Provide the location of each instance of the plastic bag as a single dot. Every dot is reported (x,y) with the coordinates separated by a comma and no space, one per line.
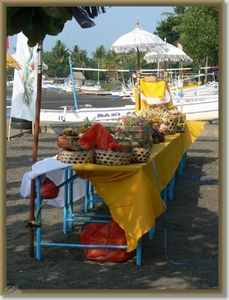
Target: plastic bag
(99,137)
(105,234)
(48,189)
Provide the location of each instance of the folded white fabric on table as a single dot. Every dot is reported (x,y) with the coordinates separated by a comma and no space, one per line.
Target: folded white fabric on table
(53,169)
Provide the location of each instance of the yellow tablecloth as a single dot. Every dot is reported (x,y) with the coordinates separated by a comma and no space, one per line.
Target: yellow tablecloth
(132,191)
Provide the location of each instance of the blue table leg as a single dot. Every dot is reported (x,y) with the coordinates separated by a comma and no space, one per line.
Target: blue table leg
(182,164)
(86,197)
(184,158)
(170,187)
(70,199)
(91,195)
(65,208)
(139,253)
(152,232)
(163,195)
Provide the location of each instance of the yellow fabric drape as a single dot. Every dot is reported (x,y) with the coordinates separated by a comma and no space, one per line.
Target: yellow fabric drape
(139,104)
(132,191)
(152,89)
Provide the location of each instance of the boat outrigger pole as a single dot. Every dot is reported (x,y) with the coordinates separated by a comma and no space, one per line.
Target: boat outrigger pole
(73,83)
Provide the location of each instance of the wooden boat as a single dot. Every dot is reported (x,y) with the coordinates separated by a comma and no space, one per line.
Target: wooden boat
(202,107)
(125,91)
(91,88)
(76,115)
(97,93)
(199,108)
(196,107)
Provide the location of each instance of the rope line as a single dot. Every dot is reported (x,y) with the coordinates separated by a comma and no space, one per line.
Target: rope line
(165,248)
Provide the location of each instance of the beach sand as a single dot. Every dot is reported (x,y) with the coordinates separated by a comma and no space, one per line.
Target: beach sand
(191,260)
(191,232)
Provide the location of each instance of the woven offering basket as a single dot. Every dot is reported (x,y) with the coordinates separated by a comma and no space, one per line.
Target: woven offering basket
(112,158)
(126,146)
(157,110)
(140,134)
(77,157)
(140,155)
(67,142)
(171,123)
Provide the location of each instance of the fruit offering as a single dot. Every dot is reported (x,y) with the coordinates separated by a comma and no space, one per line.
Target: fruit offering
(157,136)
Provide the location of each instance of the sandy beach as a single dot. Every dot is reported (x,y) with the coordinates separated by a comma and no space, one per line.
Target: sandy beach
(183,255)
(55,99)
(187,262)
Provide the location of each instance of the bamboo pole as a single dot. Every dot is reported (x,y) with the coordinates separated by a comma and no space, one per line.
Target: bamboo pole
(138,81)
(35,148)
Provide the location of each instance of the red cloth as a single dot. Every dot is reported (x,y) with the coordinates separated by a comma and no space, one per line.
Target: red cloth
(100,138)
(48,189)
(105,234)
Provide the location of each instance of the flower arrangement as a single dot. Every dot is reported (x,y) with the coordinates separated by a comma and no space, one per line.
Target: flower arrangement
(85,126)
(70,131)
(158,133)
(122,134)
(68,139)
(64,139)
(137,119)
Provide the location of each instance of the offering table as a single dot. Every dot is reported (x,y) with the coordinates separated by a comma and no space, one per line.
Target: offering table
(132,192)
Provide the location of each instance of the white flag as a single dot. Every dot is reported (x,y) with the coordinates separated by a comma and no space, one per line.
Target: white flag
(24,94)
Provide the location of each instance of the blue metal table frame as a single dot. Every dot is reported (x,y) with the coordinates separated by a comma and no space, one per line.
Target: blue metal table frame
(69,217)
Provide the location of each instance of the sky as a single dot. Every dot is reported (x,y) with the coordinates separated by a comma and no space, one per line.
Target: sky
(111,25)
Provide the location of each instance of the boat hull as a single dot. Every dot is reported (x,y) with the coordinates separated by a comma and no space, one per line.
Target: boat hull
(200,109)
(194,112)
(98,114)
(197,108)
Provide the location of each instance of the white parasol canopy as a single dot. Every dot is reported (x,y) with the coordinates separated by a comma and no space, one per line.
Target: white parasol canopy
(138,40)
(169,53)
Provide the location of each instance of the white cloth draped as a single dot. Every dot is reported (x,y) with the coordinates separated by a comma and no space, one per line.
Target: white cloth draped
(53,169)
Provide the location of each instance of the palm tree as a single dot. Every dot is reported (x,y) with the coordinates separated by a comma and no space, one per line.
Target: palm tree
(178,11)
(79,57)
(99,55)
(60,56)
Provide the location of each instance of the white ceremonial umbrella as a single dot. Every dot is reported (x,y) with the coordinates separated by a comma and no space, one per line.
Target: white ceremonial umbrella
(138,40)
(169,53)
(166,54)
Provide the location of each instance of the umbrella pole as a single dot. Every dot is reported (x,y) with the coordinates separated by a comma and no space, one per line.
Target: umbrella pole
(35,148)
(170,103)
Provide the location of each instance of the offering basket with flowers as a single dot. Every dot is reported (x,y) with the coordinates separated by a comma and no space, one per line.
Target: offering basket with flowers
(136,128)
(72,152)
(66,139)
(107,150)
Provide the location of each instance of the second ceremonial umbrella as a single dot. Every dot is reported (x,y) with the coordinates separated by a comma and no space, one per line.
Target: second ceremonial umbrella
(138,40)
